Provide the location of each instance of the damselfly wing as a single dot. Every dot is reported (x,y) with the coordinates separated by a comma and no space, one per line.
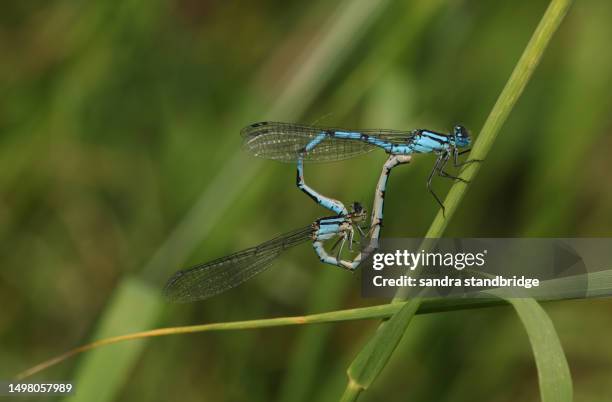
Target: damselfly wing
(286,142)
(206,280)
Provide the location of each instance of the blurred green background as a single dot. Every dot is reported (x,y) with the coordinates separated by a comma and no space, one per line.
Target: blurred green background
(120,163)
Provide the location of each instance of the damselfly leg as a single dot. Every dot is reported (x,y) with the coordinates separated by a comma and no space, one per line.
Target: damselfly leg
(442,173)
(456,155)
(438,169)
(362,234)
(435,170)
(335,245)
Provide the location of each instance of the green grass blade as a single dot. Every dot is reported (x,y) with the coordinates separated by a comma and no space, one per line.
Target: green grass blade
(600,285)
(374,356)
(505,103)
(501,110)
(553,371)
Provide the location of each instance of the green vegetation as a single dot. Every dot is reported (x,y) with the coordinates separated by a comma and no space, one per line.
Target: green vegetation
(120,163)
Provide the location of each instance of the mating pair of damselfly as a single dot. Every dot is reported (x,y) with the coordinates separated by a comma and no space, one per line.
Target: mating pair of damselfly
(301,143)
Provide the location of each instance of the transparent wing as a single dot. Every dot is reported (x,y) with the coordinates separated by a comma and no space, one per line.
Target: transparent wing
(285,141)
(214,277)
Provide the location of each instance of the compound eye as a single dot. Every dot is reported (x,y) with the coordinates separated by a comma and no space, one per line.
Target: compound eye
(357,207)
(461,132)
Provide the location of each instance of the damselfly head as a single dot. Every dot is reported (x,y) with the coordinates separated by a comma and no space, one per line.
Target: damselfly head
(462,136)
(358,211)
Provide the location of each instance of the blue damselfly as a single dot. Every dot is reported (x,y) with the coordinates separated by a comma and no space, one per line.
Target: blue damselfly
(289,142)
(206,280)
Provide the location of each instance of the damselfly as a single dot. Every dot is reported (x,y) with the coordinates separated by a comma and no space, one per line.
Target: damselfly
(214,277)
(289,142)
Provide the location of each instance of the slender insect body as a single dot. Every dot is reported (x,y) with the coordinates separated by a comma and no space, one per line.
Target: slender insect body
(320,137)
(280,141)
(290,143)
(368,139)
(326,202)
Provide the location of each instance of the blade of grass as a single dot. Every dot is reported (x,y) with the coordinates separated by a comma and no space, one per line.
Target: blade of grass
(505,103)
(600,285)
(553,371)
(374,356)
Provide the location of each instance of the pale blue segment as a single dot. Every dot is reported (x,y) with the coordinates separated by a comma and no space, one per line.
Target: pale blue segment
(326,258)
(316,141)
(425,144)
(370,139)
(346,135)
(332,205)
(329,203)
(441,138)
(401,149)
(327,229)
